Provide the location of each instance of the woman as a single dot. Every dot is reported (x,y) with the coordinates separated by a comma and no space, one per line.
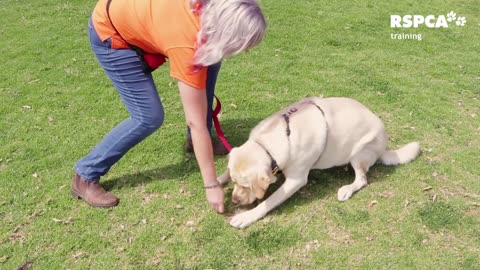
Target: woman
(195,35)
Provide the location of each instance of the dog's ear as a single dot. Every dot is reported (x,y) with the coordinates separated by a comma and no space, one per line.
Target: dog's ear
(273,179)
(260,186)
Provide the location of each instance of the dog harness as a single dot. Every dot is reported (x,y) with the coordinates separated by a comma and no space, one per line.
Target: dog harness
(274,166)
(286,117)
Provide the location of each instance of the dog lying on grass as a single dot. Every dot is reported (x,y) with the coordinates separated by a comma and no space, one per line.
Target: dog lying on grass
(314,133)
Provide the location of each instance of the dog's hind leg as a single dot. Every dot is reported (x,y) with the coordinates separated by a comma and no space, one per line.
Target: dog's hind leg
(361,162)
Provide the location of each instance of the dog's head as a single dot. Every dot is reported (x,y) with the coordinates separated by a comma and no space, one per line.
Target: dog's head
(250,175)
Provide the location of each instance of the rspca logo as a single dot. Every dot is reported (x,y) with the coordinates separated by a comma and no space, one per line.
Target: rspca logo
(430,21)
(417,21)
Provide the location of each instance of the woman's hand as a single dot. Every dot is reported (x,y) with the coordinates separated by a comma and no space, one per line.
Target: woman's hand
(215,198)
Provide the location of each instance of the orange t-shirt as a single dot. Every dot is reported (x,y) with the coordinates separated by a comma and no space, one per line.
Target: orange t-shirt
(168,27)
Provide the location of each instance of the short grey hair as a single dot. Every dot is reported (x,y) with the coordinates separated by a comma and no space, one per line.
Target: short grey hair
(228,27)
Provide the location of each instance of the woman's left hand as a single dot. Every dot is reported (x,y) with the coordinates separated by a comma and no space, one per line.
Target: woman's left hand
(215,198)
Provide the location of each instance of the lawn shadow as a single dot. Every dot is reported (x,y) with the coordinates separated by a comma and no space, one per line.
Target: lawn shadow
(236,131)
(325,183)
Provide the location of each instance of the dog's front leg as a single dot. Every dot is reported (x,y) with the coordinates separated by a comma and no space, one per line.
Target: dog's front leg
(224,178)
(288,188)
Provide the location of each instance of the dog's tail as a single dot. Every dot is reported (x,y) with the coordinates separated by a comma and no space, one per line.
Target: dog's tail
(403,155)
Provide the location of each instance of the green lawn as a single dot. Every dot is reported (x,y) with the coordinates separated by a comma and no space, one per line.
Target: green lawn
(56,104)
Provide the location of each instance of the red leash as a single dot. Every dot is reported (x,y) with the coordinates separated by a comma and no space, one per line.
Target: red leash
(218,128)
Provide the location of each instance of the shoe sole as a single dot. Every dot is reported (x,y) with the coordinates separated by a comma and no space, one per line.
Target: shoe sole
(75,195)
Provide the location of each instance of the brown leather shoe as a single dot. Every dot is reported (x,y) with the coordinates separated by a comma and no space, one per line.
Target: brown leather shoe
(92,193)
(188,146)
(218,148)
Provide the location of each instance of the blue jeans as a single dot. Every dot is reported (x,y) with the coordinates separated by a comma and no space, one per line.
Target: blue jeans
(140,96)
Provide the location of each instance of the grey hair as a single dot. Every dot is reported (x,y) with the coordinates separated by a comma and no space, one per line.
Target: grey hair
(228,27)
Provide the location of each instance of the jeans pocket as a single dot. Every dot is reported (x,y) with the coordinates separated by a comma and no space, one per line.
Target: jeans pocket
(95,39)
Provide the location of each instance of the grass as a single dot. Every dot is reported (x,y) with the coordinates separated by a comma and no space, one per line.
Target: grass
(56,103)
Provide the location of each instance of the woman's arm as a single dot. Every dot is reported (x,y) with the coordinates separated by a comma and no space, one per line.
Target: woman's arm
(195,107)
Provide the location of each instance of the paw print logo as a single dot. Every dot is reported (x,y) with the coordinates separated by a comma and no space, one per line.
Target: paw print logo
(461,21)
(452,16)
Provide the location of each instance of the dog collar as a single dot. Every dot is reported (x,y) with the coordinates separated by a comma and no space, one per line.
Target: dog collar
(274,166)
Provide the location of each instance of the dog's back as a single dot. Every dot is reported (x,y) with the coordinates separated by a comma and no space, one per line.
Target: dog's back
(351,126)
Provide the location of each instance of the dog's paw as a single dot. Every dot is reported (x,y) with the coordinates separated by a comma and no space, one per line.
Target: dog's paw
(244,219)
(224,178)
(345,193)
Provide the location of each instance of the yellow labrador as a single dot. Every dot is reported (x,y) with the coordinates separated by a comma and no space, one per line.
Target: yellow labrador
(314,133)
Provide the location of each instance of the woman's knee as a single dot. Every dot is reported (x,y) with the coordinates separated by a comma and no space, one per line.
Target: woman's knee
(157,120)
(153,120)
